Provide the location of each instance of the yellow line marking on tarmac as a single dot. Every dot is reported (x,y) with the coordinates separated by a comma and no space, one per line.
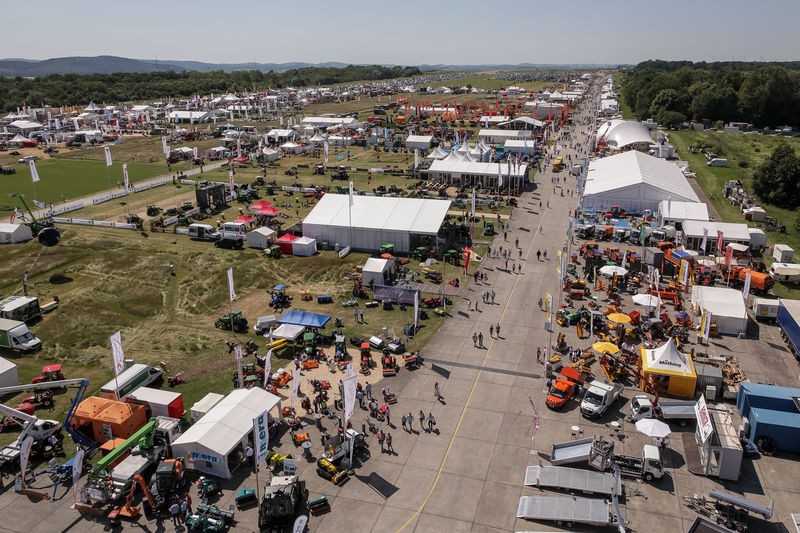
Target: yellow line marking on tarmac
(469,399)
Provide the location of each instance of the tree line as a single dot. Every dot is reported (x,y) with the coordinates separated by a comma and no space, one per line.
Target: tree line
(76,89)
(671,92)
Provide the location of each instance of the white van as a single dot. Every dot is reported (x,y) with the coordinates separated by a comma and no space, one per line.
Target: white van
(135,376)
(203,232)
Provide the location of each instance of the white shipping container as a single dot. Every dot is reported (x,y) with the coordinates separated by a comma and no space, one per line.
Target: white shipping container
(764,308)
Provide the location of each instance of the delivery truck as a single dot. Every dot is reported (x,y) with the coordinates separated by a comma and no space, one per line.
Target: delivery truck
(15,336)
(788,319)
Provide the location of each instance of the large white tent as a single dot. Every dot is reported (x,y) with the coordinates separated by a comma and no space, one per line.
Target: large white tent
(635,182)
(670,212)
(8,373)
(375,220)
(215,444)
(623,134)
(727,308)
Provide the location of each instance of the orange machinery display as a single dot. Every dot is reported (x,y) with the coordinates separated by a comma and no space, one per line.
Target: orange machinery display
(108,418)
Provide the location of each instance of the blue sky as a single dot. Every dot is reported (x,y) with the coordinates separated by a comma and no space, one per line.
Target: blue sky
(407,31)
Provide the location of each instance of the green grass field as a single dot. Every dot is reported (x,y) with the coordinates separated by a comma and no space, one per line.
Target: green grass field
(62,179)
(490,83)
(738,147)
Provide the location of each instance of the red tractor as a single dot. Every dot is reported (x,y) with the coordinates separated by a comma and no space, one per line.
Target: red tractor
(49,373)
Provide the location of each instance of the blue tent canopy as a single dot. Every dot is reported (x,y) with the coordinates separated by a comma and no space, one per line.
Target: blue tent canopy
(298,317)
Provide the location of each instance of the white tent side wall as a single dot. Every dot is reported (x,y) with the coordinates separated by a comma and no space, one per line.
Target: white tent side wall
(201,459)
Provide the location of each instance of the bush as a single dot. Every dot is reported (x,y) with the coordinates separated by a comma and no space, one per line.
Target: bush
(743,163)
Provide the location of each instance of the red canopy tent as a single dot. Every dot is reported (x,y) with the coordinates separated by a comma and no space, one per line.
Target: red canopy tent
(246,219)
(284,242)
(265,211)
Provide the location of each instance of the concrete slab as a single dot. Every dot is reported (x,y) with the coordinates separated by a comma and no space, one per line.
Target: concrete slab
(481,425)
(498,505)
(351,515)
(455,497)
(469,458)
(429,523)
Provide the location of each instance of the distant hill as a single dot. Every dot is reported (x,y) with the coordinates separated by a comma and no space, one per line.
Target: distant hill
(113,64)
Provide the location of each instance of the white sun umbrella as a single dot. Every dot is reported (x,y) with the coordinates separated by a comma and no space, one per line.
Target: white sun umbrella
(645,300)
(653,428)
(610,270)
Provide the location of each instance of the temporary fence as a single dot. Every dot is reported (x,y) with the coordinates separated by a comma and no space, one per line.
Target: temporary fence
(97,223)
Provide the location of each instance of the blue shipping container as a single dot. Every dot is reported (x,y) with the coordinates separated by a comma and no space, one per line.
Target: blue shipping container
(782,430)
(766,397)
(789,321)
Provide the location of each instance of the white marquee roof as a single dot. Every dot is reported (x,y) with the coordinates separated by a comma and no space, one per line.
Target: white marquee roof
(454,165)
(731,231)
(667,357)
(622,133)
(720,301)
(634,168)
(226,424)
(413,215)
(683,210)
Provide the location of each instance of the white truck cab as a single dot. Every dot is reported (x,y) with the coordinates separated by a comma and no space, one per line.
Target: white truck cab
(598,398)
(15,336)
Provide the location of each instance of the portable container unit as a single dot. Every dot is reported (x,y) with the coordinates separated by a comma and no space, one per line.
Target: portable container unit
(764,308)
(108,418)
(160,402)
(782,253)
(774,430)
(772,397)
(204,405)
(304,246)
(709,376)
(788,319)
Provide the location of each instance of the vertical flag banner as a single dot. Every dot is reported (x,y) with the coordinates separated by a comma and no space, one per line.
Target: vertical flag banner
(125,180)
(705,241)
(416,158)
(295,385)
(195,153)
(261,437)
(34,171)
(24,455)
(349,390)
(267,367)
(746,288)
(237,356)
(107,151)
(231,181)
(499,175)
(472,214)
(707,326)
(231,291)
(77,469)
(728,256)
(116,351)
(164,146)
(720,242)
(350,194)
(325,151)
(416,311)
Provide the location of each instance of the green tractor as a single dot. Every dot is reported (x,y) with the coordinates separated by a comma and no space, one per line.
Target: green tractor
(273,251)
(235,322)
(488,230)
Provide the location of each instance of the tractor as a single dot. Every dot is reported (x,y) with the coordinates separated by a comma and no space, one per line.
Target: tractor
(235,322)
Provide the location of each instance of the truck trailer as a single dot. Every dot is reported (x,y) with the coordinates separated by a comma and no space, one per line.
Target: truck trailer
(773,431)
(788,319)
(772,397)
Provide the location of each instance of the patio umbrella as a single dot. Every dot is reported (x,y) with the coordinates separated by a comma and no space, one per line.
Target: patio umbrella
(605,347)
(619,318)
(610,270)
(645,300)
(653,428)
(246,219)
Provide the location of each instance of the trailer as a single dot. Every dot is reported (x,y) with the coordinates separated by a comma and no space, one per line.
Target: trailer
(681,411)
(568,510)
(573,480)
(788,319)
(575,451)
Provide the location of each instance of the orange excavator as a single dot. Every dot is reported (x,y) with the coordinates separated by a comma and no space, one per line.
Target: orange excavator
(128,510)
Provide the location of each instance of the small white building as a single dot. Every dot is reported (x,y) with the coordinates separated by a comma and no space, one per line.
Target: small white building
(293,148)
(280,135)
(260,238)
(732,232)
(376,271)
(419,142)
(328,122)
(671,212)
(727,308)
(215,445)
(14,233)
(499,137)
(304,246)
(8,373)
(204,405)
(782,253)
(190,117)
(522,147)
